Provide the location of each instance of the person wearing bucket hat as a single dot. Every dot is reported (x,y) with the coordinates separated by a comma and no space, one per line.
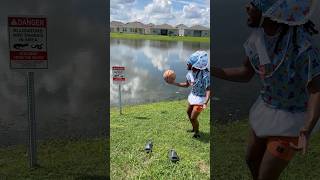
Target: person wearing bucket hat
(198,77)
(282,52)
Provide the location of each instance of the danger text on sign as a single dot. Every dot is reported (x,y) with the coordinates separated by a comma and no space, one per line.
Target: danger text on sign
(28,42)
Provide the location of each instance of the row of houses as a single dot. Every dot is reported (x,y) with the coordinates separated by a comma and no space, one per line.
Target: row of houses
(163,29)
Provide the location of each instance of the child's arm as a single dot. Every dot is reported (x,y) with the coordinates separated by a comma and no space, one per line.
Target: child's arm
(208,95)
(313,115)
(182,84)
(189,82)
(238,74)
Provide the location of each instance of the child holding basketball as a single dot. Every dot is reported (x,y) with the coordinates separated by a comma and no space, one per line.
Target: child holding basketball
(198,77)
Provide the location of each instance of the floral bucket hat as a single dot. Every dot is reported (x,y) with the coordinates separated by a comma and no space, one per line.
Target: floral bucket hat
(199,60)
(290,12)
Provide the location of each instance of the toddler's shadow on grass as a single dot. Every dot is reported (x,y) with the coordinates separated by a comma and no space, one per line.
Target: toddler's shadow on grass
(76,176)
(164,112)
(141,117)
(91,177)
(204,137)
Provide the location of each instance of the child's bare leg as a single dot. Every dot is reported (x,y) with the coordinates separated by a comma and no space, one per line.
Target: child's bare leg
(255,152)
(195,122)
(277,157)
(189,111)
(271,167)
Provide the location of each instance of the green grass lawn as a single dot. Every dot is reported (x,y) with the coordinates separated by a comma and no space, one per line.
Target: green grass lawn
(160,38)
(229,152)
(166,124)
(63,159)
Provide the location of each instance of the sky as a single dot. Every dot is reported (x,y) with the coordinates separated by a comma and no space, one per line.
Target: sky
(174,12)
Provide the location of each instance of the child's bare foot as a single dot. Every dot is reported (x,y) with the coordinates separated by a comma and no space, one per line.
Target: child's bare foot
(190,130)
(196,135)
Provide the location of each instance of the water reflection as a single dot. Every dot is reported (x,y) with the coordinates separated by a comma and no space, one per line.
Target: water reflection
(163,45)
(145,66)
(136,44)
(71,94)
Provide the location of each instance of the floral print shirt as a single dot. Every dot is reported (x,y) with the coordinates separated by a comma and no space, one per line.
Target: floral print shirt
(201,81)
(285,78)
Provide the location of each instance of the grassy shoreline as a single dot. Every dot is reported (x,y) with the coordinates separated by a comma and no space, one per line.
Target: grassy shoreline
(166,124)
(58,159)
(159,37)
(230,142)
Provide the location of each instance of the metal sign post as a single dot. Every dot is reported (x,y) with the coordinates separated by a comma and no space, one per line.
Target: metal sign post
(118,77)
(28,50)
(120,108)
(31,121)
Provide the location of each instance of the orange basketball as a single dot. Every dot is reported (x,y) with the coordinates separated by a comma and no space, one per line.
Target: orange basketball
(169,75)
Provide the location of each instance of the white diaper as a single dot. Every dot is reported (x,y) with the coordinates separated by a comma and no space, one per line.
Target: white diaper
(196,100)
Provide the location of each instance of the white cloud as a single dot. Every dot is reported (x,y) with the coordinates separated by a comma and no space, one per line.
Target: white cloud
(120,10)
(159,59)
(114,3)
(191,11)
(123,1)
(193,14)
(159,7)
(200,3)
(163,11)
(157,12)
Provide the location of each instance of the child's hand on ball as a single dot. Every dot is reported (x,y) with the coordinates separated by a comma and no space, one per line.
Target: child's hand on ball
(169,81)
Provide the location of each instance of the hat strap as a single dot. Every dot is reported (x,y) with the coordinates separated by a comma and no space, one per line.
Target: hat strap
(261,21)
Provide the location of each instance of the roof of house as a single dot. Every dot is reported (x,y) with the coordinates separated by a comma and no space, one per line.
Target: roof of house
(150,25)
(116,23)
(182,26)
(135,24)
(164,26)
(199,27)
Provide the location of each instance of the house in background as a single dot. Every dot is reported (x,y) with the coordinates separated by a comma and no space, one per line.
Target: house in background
(148,27)
(116,26)
(164,29)
(199,31)
(134,28)
(181,29)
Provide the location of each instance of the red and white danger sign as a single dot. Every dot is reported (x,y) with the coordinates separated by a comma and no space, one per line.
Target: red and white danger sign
(118,74)
(28,42)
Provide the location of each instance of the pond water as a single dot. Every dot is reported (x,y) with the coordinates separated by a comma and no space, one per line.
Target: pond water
(146,61)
